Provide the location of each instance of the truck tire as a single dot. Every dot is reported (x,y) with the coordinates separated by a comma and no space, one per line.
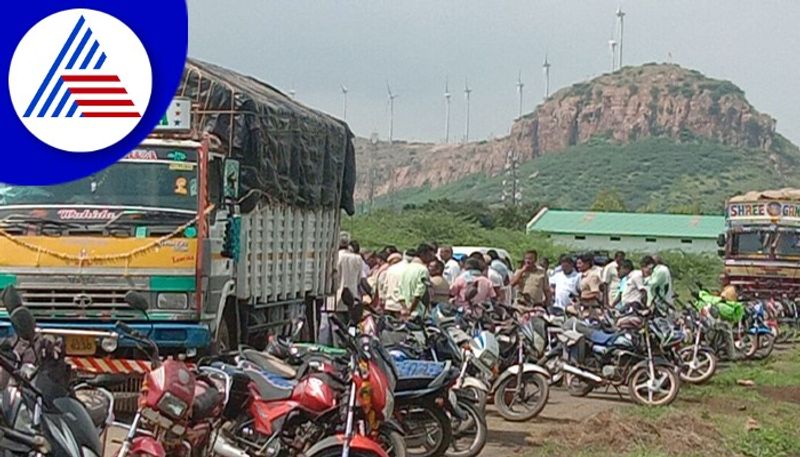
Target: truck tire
(226,337)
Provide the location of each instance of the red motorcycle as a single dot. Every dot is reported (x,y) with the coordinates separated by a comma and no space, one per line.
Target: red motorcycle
(321,409)
(180,407)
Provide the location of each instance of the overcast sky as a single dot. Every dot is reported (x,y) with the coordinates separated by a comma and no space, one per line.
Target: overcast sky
(313,46)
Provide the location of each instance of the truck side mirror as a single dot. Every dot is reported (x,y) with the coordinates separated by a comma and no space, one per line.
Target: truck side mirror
(721,240)
(231,177)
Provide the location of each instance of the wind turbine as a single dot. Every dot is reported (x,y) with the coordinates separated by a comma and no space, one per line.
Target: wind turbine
(520,85)
(612,45)
(467,92)
(392,96)
(344,95)
(447,96)
(546,68)
(621,17)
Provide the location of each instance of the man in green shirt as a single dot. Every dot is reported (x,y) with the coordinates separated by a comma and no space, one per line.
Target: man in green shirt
(412,288)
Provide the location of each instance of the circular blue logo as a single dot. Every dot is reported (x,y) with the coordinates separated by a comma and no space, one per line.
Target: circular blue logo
(87,82)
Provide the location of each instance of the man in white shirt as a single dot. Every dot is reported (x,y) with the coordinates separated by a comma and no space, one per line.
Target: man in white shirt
(565,283)
(451,266)
(632,289)
(350,270)
(611,276)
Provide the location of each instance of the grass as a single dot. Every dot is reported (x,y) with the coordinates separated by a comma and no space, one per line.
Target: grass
(655,175)
(720,418)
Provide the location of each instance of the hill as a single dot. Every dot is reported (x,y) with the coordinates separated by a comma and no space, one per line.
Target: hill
(654,175)
(663,116)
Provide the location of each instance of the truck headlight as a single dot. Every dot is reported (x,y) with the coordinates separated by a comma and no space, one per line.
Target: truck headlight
(172,301)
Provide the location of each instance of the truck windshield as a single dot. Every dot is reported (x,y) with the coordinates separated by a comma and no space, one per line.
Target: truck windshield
(787,243)
(154,183)
(751,243)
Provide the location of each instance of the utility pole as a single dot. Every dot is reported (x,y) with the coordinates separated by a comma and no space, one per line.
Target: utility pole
(511,196)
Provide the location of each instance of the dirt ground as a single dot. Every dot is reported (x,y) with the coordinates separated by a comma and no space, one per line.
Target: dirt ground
(562,412)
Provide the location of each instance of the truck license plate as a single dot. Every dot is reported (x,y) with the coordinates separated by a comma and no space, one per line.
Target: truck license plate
(80,345)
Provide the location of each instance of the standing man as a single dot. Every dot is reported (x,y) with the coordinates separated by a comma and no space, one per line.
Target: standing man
(350,269)
(532,283)
(565,283)
(659,285)
(412,290)
(591,291)
(611,276)
(387,281)
(451,266)
(632,291)
(473,275)
(440,288)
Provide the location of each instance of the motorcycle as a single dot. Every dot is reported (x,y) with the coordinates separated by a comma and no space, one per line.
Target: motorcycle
(698,362)
(331,403)
(625,356)
(41,412)
(180,407)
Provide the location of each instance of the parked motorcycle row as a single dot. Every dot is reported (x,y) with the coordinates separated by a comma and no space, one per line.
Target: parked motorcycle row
(387,387)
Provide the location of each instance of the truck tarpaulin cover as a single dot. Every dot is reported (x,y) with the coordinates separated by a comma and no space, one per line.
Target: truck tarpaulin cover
(291,153)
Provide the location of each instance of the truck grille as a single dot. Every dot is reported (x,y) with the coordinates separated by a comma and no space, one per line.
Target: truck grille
(75,302)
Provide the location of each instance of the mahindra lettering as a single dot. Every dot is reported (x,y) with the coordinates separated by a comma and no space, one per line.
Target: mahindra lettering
(226,220)
(762,243)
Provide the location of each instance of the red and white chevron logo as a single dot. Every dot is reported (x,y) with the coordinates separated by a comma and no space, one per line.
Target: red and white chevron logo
(85,90)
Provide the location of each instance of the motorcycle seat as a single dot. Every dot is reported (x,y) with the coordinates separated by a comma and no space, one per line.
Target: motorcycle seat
(602,338)
(417,374)
(270,387)
(96,404)
(269,362)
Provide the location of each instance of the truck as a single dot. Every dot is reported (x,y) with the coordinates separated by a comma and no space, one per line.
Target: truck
(226,219)
(761,243)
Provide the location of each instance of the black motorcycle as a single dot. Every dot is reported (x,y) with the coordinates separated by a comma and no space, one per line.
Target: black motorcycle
(41,412)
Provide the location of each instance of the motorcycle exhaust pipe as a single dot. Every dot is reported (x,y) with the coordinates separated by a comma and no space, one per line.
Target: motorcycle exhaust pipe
(581,373)
(223,447)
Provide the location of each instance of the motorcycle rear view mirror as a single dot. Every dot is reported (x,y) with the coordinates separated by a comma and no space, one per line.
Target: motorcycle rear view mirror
(10,298)
(24,323)
(136,301)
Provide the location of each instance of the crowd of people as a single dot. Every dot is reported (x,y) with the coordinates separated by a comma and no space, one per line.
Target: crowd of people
(409,283)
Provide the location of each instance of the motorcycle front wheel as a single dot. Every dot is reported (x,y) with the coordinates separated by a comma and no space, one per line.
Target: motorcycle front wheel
(697,370)
(469,435)
(659,390)
(393,443)
(428,429)
(520,401)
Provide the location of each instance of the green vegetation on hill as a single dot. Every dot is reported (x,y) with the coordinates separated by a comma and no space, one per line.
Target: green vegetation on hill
(654,175)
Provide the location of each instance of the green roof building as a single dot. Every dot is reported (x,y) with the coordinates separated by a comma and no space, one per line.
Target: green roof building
(643,232)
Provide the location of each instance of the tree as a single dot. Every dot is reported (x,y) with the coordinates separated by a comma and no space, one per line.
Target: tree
(608,200)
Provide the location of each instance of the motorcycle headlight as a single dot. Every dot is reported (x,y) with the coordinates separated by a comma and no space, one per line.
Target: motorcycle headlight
(172,406)
(172,301)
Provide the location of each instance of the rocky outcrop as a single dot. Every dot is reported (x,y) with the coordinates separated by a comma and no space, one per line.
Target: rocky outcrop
(630,104)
